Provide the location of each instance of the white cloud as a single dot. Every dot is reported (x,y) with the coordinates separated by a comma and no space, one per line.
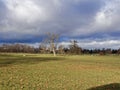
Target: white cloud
(26,11)
(105,20)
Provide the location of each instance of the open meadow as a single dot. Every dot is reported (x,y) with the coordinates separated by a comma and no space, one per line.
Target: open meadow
(45,72)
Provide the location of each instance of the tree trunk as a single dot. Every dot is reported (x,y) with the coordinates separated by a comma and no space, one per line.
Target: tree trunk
(54,52)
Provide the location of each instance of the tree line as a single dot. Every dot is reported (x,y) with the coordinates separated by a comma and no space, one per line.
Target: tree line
(50,46)
(73,49)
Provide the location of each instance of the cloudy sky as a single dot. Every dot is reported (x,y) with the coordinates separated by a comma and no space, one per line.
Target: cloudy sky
(93,23)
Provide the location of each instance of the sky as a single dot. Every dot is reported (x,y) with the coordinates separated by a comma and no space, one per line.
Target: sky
(93,23)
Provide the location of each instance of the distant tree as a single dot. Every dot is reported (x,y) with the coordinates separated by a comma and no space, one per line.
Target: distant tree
(118,52)
(74,48)
(102,52)
(51,40)
(108,51)
(114,51)
(42,48)
(66,50)
(61,49)
(16,48)
(85,51)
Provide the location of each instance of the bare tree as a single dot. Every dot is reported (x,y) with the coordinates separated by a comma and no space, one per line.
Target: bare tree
(61,49)
(42,48)
(52,39)
(74,48)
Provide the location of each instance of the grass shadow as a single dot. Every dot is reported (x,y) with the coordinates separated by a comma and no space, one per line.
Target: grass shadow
(10,60)
(112,86)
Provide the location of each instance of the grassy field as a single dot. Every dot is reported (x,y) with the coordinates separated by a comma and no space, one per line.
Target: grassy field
(45,72)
